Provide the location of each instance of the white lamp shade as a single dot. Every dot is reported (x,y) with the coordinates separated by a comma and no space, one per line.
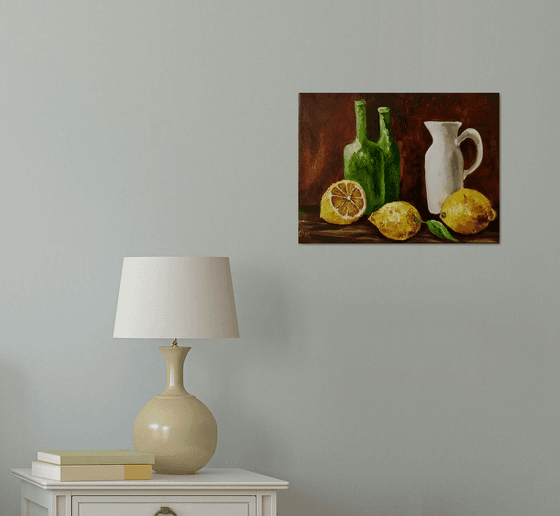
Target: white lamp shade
(176,297)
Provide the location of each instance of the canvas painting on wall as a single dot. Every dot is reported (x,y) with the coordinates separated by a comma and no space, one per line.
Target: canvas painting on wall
(393,168)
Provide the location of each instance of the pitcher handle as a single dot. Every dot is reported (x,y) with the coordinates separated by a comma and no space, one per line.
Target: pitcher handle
(474,135)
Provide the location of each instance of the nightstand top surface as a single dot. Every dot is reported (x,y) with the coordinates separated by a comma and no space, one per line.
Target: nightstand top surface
(206,478)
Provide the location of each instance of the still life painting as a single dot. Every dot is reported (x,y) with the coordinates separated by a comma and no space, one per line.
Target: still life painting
(394,168)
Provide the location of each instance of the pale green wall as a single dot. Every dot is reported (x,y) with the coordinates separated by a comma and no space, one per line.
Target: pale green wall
(386,380)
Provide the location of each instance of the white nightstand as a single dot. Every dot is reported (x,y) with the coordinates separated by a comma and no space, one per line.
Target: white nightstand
(209,492)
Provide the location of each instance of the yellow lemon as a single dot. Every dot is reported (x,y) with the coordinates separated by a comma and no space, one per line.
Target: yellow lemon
(397,220)
(344,202)
(467,211)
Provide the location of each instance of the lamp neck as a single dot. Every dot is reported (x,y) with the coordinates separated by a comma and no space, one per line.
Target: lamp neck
(175,358)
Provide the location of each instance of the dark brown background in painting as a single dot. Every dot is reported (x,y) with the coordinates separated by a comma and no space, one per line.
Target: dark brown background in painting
(327,122)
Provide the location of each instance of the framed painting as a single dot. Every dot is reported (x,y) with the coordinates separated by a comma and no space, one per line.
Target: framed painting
(393,168)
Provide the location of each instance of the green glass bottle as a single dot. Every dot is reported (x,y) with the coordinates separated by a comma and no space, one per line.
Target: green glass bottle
(363,162)
(392,160)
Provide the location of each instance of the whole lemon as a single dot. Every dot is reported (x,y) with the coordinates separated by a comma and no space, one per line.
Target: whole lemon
(467,211)
(344,202)
(397,220)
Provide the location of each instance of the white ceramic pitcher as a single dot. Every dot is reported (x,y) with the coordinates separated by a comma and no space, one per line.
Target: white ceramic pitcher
(444,161)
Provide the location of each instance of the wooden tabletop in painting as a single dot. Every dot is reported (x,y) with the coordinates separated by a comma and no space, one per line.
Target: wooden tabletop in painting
(314,230)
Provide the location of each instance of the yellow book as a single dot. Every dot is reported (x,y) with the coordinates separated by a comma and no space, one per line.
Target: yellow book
(63,457)
(76,473)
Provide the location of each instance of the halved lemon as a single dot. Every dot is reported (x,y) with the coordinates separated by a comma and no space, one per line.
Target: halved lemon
(344,202)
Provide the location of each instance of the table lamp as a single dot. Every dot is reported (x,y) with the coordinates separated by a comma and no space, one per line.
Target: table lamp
(174,298)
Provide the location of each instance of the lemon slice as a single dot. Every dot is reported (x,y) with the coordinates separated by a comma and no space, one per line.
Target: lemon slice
(344,202)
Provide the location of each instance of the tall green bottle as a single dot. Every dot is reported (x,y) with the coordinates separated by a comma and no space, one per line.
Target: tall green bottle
(392,169)
(363,162)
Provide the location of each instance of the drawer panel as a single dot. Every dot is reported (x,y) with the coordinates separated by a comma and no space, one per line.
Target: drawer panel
(149,505)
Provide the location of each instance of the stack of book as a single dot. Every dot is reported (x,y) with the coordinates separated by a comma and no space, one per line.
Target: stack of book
(80,465)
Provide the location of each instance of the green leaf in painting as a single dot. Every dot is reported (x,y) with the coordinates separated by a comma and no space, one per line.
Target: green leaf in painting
(439,230)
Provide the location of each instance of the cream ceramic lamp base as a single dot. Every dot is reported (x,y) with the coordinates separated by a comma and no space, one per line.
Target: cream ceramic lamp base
(175,426)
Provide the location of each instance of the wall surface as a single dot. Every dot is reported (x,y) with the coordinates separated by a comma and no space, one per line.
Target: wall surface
(384,380)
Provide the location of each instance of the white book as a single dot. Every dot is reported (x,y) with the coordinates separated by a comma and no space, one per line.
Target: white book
(64,457)
(76,473)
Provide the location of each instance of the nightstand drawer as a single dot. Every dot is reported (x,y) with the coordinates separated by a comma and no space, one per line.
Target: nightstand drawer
(150,505)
